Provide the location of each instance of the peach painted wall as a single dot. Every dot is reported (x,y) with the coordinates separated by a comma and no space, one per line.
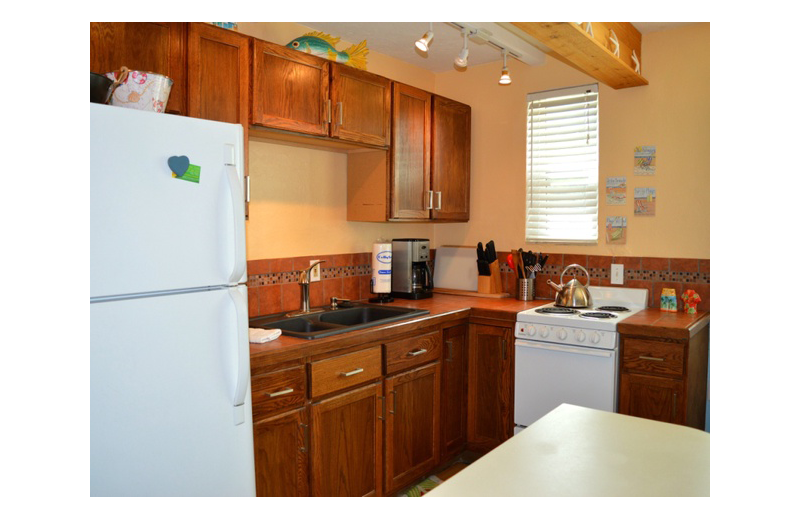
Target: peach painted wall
(298,200)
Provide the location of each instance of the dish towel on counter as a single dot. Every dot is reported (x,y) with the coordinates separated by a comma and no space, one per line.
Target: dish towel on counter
(263,335)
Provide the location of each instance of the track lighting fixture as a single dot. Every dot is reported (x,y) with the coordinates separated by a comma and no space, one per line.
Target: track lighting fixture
(505,79)
(422,43)
(478,35)
(461,59)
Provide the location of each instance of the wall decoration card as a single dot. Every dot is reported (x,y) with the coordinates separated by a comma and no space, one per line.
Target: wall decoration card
(616,230)
(616,189)
(644,160)
(644,201)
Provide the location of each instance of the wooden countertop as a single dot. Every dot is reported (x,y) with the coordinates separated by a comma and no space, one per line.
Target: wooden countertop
(444,308)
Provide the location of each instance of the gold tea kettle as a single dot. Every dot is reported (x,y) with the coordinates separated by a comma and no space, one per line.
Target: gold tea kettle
(573,293)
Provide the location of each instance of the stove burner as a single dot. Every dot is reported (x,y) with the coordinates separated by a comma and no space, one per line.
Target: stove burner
(556,310)
(598,315)
(612,308)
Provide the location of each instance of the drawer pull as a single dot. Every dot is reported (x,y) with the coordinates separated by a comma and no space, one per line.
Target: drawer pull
(648,358)
(282,392)
(352,372)
(417,352)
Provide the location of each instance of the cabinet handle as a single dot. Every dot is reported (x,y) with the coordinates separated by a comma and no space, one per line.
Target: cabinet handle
(417,352)
(340,107)
(430,200)
(282,392)
(328,112)
(304,447)
(674,405)
(439,201)
(449,344)
(394,401)
(352,372)
(648,358)
(382,416)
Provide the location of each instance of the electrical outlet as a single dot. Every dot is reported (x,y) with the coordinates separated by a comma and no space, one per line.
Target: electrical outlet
(315,274)
(617,275)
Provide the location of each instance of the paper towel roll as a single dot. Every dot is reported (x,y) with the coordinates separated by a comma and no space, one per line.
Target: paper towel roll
(381,268)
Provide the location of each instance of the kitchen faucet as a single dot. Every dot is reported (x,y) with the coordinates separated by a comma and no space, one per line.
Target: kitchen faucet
(305,276)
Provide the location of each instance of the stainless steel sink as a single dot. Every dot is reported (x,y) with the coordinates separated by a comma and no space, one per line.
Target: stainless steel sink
(328,321)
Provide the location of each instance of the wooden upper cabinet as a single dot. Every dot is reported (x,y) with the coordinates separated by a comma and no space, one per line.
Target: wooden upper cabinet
(158,47)
(411,150)
(219,68)
(450,159)
(290,89)
(361,106)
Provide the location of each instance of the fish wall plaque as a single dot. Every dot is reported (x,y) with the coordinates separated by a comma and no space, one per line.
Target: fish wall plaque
(324,46)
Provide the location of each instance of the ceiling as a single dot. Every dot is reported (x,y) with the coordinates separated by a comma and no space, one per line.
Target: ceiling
(396,39)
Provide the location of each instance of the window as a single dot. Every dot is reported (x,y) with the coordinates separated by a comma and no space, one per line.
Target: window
(562,166)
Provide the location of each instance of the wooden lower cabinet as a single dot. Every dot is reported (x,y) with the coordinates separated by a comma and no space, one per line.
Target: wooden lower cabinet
(281,455)
(412,425)
(346,443)
(490,419)
(454,391)
(665,379)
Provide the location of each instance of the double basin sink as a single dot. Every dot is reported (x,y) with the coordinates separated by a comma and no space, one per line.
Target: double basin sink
(328,321)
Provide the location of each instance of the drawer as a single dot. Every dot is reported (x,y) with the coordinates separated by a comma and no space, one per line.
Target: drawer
(652,357)
(278,391)
(338,373)
(411,352)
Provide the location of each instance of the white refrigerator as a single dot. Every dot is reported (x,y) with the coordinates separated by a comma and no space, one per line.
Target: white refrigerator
(170,410)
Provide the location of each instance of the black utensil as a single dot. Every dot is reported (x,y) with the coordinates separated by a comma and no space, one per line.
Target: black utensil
(491,254)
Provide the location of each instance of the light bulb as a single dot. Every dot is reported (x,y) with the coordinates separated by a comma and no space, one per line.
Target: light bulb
(422,43)
(505,79)
(461,59)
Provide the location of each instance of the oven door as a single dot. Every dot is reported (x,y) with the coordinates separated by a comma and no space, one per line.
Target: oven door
(547,375)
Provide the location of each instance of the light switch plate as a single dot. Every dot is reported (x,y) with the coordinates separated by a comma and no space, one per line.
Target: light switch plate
(315,275)
(617,276)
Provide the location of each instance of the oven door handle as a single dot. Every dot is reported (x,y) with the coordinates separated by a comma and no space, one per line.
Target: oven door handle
(583,351)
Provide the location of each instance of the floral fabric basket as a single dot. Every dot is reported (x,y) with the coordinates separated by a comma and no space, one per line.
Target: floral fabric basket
(140,90)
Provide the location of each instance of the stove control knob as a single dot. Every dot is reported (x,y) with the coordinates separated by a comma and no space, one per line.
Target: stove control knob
(544,332)
(562,334)
(595,337)
(530,330)
(580,335)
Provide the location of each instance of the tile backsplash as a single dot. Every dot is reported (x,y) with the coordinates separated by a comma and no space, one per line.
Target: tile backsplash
(273,288)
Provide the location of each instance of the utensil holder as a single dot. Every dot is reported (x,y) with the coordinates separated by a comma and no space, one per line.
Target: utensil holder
(526,289)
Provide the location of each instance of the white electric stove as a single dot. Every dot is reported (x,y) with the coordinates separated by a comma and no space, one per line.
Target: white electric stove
(566,355)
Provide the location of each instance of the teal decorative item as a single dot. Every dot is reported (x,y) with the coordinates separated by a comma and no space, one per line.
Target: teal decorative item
(323,45)
(178,164)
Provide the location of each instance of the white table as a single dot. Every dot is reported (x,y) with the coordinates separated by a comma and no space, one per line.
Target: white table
(576,451)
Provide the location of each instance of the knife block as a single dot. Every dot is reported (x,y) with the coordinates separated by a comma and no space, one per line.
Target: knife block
(491,284)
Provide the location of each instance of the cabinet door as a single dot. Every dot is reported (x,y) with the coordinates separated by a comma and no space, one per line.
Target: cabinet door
(290,89)
(281,455)
(158,47)
(450,159)
(411,134)
(346,442)
(454,391)
(412,425)
(491,386)
(649,397)
(361,106)
(219,72)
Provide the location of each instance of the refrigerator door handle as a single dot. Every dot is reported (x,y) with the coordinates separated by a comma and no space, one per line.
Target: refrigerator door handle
(237,198)
(242,353)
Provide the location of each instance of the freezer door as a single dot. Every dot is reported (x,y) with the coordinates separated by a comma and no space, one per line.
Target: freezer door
(151,231)
(170,411)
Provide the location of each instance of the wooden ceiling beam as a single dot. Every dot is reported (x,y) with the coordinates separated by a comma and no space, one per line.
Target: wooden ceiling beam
(591,54)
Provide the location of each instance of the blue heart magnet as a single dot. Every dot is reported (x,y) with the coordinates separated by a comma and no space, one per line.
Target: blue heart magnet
(178,164)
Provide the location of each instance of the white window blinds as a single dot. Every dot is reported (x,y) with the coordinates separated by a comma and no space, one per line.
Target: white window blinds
(562,166)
